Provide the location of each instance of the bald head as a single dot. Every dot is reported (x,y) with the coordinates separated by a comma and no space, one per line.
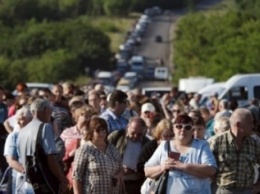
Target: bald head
(240,115)
(241,120)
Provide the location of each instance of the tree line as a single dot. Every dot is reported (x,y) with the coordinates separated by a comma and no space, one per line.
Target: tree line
(51,40)
(219,45)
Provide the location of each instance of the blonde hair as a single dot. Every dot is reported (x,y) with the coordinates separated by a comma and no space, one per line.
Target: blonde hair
(84,109)
(221,124)
(180,105)
(160,127)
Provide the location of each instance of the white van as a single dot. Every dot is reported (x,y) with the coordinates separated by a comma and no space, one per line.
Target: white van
(206,92)
(194,84)
(242,88)
(161,73)
(106,78)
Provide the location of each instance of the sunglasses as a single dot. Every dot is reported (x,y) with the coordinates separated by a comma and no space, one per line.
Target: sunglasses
(183,126)
(177,111)
(100,130)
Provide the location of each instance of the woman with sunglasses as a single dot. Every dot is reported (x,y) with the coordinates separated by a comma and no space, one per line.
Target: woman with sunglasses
(189,161)
(97,165)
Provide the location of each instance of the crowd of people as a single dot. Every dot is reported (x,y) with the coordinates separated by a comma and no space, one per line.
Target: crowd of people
(100,143)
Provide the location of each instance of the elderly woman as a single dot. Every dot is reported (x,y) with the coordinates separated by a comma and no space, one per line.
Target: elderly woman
(97,166)
(72,136)
(190,162)
(23,116)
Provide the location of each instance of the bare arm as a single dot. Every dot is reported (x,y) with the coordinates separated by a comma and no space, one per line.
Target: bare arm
(153,171)
(166,112)
(7,126)
(14,164)
(77,186)
(198,170)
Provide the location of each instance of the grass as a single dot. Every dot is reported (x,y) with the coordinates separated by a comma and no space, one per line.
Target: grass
(115,28)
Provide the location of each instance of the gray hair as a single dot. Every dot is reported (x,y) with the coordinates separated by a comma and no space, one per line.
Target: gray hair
(24,111)
(39,104)
(221,124)
(138,120)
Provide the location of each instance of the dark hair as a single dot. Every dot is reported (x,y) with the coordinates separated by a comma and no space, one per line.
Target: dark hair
(95,122)
(233,104)
(116,96)
(198,120)
(156,118)
(183,119)
(20,87)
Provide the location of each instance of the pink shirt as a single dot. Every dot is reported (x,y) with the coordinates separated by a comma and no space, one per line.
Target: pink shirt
(70,134)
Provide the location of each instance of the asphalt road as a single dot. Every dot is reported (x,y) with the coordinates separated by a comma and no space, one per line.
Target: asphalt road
(153,50)
(164,25)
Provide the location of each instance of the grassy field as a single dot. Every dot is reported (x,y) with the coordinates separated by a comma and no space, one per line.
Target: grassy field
(115,28)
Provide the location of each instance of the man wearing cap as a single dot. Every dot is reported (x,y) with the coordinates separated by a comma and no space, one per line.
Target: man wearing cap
(117,104)
(147,112)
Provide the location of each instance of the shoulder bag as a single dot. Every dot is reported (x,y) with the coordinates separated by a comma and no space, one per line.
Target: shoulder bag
(37,171)
(159,186)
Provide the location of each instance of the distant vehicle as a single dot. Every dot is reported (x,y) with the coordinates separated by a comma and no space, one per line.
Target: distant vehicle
(161,73)
(148,91)
(131,77)
(106,78)
(34,85)
(153,11)
(137,64)
(149,73)
(125,84)
(206,92)
(124,54)
(122,66)
(242,88)
(194,84)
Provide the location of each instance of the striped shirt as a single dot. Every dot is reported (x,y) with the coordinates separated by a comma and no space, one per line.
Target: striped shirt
(236,166)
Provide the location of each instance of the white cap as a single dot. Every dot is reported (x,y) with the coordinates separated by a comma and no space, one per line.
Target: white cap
(148,107)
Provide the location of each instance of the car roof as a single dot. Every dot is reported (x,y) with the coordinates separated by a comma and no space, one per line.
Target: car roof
(128,74)
(137,58)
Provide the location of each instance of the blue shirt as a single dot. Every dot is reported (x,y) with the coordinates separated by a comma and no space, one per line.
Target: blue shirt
(180,182)
(114,123)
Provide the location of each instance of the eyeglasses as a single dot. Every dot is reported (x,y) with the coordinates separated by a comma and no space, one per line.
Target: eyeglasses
(183,126)
(177,111)
(100,130)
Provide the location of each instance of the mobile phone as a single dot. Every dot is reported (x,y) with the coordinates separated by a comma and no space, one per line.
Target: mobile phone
(174,155)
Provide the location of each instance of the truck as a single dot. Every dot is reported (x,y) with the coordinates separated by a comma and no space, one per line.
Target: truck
(194,84)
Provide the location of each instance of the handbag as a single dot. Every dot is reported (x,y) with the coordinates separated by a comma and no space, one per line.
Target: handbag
(159,186)
(39,175)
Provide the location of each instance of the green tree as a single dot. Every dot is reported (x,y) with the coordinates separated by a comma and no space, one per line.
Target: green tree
(117,7)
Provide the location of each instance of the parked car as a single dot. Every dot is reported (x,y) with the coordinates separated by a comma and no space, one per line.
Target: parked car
(132,77)
(158,38)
